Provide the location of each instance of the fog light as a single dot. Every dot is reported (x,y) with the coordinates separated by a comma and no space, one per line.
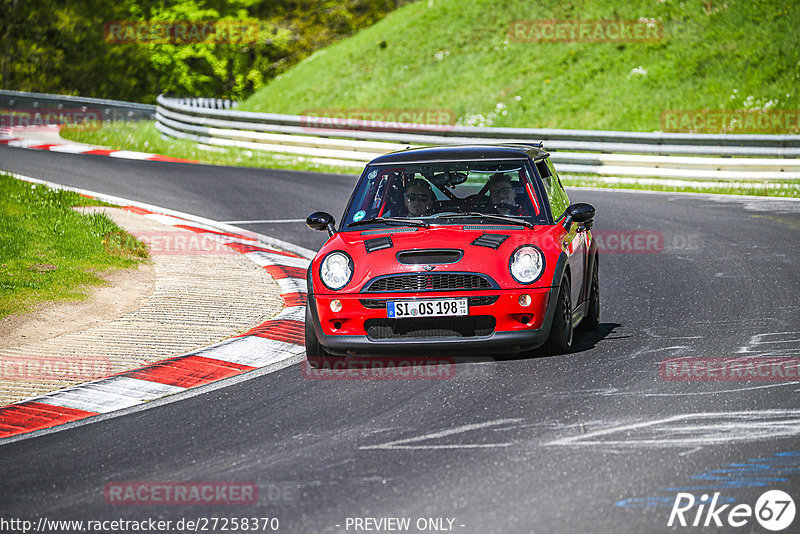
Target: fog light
(336,306)
(525,300)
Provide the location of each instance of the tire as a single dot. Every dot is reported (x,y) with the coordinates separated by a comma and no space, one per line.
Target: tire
(592,319)
(559,340)
(315,353)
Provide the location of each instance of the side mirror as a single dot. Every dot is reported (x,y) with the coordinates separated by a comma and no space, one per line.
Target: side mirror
(320,220)
(581,213)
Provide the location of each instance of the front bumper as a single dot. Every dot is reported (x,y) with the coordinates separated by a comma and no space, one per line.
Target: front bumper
(513,327)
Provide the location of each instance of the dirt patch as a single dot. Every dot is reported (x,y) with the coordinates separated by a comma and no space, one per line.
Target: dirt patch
(127,290)
(182,300)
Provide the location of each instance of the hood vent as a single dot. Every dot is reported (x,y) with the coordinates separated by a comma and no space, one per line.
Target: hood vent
(490,240)
(430,256)
(379,243)
(393,231)
(489,227)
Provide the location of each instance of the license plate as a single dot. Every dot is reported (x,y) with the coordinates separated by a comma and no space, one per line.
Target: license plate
(399,309)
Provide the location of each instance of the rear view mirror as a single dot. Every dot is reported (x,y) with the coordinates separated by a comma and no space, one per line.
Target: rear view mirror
(581,213)
(449,178)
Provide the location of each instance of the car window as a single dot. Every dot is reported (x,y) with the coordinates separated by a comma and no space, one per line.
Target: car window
(445,188)
(556,194)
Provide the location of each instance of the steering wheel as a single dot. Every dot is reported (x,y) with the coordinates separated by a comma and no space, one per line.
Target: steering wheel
(476,200)
(504,205)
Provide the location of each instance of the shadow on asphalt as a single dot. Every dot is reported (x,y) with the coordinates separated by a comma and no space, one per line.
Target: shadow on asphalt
(584,340)
(587,339)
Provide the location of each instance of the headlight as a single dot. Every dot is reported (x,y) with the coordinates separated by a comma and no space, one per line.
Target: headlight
(527,264)
(336,270)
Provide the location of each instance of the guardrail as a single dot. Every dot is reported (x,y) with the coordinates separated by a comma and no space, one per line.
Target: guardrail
(351,143)
(112,110)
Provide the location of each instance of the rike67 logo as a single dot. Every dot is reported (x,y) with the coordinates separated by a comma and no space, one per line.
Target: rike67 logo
(774,511)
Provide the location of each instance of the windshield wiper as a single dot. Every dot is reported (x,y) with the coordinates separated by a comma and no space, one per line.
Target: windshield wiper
(390,220)
(490,216)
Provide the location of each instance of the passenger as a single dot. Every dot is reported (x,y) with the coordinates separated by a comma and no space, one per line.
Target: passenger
(418,198)
(502,195)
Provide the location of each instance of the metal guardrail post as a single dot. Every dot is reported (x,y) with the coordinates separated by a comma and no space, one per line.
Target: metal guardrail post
(112,110)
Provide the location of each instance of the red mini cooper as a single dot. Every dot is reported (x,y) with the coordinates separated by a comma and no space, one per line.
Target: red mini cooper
(459,249)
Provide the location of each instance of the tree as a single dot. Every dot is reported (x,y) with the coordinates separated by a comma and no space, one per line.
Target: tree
(59,46)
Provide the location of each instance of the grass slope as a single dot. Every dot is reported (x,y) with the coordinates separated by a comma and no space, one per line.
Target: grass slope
(457,55)
(48,251)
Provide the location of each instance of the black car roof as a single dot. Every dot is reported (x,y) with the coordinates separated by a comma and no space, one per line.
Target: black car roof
(464,152)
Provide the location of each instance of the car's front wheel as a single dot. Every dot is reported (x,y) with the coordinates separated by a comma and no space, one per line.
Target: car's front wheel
(560,339)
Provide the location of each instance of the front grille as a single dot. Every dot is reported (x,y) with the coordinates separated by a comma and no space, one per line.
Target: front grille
(373,304)
(380,304)
(482,301)
(430,327)
(429,282)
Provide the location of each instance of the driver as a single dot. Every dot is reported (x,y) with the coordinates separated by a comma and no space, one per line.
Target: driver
(418,198)
(502,195)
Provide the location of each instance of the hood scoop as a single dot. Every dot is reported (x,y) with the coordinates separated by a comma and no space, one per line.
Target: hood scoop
(379,243)
(490,240)
(393,231)
(489,227)
(429,256)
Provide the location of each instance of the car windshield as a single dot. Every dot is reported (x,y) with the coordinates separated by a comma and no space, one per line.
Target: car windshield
(440,193)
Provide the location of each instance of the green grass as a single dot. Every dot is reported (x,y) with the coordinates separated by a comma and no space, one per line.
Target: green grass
(782,189)
(144,137)
(457,55)
(50,252)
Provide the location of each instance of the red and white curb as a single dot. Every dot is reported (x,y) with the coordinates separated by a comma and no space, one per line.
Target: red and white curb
(47,138)
(277,339)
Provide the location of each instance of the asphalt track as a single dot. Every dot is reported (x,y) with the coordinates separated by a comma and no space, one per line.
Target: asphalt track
(594,441)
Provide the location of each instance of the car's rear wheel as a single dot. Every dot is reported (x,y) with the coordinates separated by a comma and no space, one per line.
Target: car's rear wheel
(315,353)
(560,339)
(592,319)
